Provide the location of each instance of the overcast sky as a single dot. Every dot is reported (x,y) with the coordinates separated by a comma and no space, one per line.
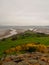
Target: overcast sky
(24,12)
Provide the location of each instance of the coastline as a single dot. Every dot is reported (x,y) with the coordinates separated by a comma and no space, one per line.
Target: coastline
(8,33)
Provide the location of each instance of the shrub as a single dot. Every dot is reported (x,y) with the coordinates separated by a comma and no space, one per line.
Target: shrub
(3,39)
(14,38)
(37,43)
(12,49)
(18,48)
(42,48)
(7,51)
(23,47)
(30,45)
(31,49)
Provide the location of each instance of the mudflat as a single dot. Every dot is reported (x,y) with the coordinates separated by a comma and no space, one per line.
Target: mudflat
(4,33)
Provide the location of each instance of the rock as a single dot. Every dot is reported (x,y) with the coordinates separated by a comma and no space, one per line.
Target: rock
(35,58)
(42,62)
(23,63)
(43,59)
(32,61)
(9,63)
(13,56)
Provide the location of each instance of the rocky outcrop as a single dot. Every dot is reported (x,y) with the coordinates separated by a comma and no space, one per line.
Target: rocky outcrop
(34,58)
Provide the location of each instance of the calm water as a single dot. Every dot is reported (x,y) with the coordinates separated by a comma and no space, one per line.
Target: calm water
(43,29)
(23,27)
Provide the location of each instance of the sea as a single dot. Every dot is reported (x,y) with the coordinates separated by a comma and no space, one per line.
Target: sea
(43,29)
(23,27)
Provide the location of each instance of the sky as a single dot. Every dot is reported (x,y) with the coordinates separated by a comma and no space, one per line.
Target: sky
(24,12)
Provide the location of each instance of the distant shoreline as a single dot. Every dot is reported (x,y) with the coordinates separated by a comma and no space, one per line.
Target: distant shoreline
(12,30)
(8,33)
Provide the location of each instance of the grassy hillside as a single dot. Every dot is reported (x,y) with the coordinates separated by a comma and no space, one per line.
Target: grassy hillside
(26,37)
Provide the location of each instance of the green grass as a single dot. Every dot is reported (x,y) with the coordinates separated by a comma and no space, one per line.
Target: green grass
(8,43)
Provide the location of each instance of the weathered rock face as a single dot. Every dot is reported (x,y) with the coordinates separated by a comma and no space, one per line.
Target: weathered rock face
(34,58)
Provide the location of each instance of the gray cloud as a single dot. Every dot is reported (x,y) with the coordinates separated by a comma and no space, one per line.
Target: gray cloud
(24,12)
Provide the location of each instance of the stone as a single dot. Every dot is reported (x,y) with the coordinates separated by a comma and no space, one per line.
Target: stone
(9,63)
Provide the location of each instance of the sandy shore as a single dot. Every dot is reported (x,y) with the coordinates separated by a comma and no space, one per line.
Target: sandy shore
(4,32)
(7,33)
(10,32)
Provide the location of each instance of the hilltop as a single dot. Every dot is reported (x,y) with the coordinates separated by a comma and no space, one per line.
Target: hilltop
(29,48)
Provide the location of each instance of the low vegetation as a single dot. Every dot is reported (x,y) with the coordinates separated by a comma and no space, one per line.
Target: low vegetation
(18,42)
(28,48)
